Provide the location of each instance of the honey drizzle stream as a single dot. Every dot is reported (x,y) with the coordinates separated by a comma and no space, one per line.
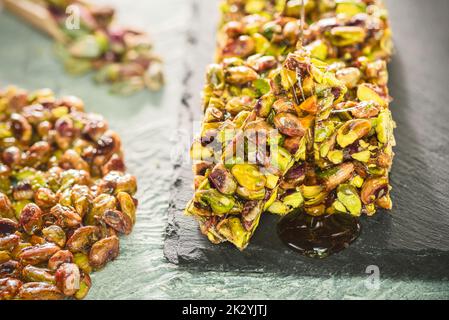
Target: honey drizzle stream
(303,21)
(310,171)
(322,236)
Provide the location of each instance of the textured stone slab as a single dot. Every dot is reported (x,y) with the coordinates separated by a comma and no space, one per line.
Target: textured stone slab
(412,241)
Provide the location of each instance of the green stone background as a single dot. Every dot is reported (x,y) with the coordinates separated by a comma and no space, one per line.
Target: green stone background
(141,272)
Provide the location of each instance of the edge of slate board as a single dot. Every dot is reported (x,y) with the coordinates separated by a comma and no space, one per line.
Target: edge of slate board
(412,241)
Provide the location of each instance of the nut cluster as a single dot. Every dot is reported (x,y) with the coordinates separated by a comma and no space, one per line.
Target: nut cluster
(121,56)
(291,125)
(64,195)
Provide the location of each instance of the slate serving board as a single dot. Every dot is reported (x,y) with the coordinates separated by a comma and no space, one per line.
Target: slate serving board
(412,240)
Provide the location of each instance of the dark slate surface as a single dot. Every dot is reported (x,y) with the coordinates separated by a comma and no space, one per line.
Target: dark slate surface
(412,241)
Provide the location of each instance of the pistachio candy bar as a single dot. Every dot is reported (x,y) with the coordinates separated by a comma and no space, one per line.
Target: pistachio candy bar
(343,30)
(351,152)
(306,89)
(274,131)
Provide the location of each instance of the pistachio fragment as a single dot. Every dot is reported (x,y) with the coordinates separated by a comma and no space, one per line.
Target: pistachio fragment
(352,131)
(9,242)
(127,205)
(366,92)
(10,268)
(342,36)
(219,203)
(289,125)
(55,234)
(83,238)
(384,127)
(349,76)
(39,291)
(222,180)
(31,218)
(251,195)
(68,278)
(248,176)
(66,216)
(241,47)
(339,175)
(37,254)
(350,7)
(9,288)
(279,208)
(373,189)
(240,75)
(84,287)
(103,251)
(5,256)
(101,204)
(82,261)
(234,231)
(348,196)
(6,209)
(118,221)
(33,274)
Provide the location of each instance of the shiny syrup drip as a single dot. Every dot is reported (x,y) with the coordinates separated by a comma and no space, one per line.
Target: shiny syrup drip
(302,21)
(318,237)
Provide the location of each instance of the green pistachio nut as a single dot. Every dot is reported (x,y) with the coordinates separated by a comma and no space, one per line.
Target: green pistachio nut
(238,104)
(215,76)
(323,130)
(87,47)
(352,131)
(271,199)
(262,44)
(240,118)
(223,180)
(262,86)
(251,195)
(272,181)
(279,208)
(362,156)
(366,92)
(338,175)
(199,152)
(350,7)
(219,203)
(343,36)
(255,6)
(233,230)
(288,78)
(349,76)
(241,75)
(264,104)
(384,127)
(294,200)
(339,207)
(335,156)
(249,176)
(348,196)
(281,159)
(310,192)
(318,49)
(374,189)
